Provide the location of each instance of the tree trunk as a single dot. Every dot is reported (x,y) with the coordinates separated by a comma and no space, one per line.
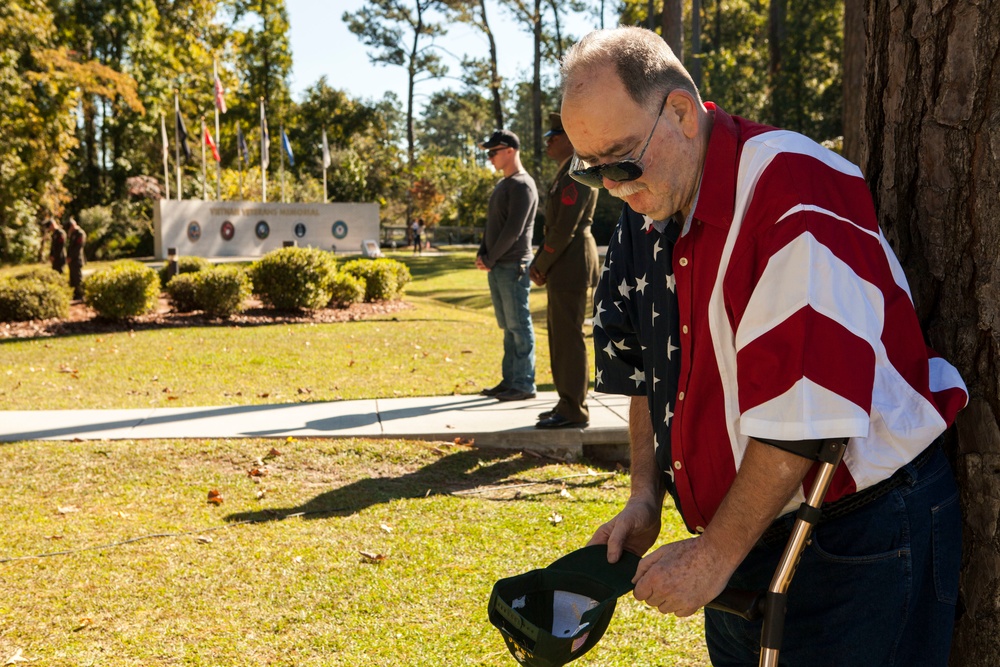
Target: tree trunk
(931,153)
(775,39)
(695,58)
(853,77)
(495,82)
(673,26)
(536,92)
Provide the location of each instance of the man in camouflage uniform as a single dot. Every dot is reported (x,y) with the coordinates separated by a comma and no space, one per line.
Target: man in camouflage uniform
(567,265)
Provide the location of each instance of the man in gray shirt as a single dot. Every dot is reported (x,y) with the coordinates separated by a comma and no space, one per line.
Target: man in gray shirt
(505,253)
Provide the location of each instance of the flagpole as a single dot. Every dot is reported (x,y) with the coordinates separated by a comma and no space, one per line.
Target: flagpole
(218,137)
(326,164)
(166,153)
(281,163)
(177,143)
(263,166)
(239,156)
(204,164)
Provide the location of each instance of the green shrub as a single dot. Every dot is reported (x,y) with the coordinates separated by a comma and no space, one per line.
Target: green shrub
(222,290)
(384,278)
(345,289)
(44,275)
(185,264)
(294,278)
(123,290)
(181,292)
(33,297)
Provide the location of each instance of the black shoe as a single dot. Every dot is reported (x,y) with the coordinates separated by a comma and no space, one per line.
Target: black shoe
(493,391)
(546,414)
(558,421)
(514,395)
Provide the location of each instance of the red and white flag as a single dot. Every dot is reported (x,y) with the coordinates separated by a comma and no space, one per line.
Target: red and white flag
(220,101)
(211,144)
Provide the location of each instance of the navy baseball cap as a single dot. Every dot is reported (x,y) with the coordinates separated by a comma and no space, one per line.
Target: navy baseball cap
(551,616)
(504,138)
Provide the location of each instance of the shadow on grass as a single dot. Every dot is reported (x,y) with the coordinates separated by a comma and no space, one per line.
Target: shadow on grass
(461,471)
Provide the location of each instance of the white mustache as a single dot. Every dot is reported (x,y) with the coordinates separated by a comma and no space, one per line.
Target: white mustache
(626,189)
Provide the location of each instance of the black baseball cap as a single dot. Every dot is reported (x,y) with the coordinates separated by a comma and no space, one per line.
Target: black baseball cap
(504,138)
(551,616)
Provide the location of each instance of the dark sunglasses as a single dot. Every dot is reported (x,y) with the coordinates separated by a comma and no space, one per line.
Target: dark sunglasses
(493,151)
(621,171)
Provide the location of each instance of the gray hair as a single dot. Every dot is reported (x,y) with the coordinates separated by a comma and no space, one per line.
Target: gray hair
(645,64)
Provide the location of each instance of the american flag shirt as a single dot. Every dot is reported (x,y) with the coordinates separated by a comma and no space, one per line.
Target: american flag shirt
(794,321)
(635,322)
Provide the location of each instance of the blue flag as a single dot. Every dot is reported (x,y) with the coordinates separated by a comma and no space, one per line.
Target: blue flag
(288,148)
(241,145)
(182,134)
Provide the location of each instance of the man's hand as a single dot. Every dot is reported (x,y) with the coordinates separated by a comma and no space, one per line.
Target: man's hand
(681,577)
(480,264)
(537,276)
(635,529)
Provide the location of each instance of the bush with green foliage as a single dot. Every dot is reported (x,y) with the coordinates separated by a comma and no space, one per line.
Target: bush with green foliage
(221,291)
(185,264)
(181,292)
(384,278)
(39,294)
(294,278)
(123,290)
(345,289)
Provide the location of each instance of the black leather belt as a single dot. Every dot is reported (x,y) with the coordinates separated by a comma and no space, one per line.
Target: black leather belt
(782,528)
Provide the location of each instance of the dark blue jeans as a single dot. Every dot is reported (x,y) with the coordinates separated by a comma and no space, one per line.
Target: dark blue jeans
(876,587)
(509,287)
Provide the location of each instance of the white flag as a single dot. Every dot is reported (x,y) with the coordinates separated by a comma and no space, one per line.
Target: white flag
(326,152)
(163,134)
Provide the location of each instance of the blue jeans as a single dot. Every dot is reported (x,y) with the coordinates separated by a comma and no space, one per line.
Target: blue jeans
(509,286)
(876,587)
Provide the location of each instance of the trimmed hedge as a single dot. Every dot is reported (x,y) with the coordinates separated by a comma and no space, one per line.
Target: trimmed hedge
(384,278)
(124,290)
(345,289)
(222,290)
(40,294)
(294,278)
(185,264)
(181,292)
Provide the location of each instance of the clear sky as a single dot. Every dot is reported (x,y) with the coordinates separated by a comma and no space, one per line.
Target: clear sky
(322,44)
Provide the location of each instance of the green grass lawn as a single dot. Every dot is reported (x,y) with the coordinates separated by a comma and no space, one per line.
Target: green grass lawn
(111,555)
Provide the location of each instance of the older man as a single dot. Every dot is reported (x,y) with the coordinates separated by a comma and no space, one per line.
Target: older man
(749,300)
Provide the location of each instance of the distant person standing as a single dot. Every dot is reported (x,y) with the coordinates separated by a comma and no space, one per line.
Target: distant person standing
(505,254)
(567,265)
(77,239)
(418,235)
(57,245)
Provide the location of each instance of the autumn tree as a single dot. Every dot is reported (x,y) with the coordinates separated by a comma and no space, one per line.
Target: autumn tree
(931,113)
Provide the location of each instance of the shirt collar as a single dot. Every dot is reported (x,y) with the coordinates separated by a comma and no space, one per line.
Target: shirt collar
(716,193)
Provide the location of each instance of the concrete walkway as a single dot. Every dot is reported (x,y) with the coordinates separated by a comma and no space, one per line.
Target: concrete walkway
(487,421)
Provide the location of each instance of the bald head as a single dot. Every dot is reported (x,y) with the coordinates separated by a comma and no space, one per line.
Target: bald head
(640,58)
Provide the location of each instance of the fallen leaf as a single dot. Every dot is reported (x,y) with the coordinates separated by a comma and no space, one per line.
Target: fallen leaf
(172,398)
(54,537)
(555,518)
(68,509)
(257,472)
(84,623)
(16,658)
(264,395)
(386,528)
(215,497)
(204,539)
(297,559)
(121,515)
(261,494)
(566,494)
(274,452)
(369,557)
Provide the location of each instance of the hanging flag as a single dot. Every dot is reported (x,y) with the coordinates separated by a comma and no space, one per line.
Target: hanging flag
(163,134)
(326,152)
(241,144)
(288,148)
(211,144)
(182,133)
(220,101)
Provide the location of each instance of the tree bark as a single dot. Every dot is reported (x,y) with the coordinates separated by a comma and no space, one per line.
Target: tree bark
(673,27)
(695,57)
(853,77)
(931,153)
(536,92)
(777,12)
(495,82)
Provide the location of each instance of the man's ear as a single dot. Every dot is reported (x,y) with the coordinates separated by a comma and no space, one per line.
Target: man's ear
(684,109)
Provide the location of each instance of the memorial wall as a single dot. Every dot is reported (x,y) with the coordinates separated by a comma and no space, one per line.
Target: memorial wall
(251,229)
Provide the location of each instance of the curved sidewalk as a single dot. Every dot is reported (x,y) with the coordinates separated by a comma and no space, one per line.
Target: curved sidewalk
(486,421)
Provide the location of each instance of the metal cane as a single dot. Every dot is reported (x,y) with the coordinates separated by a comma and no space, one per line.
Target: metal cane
(771,604)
